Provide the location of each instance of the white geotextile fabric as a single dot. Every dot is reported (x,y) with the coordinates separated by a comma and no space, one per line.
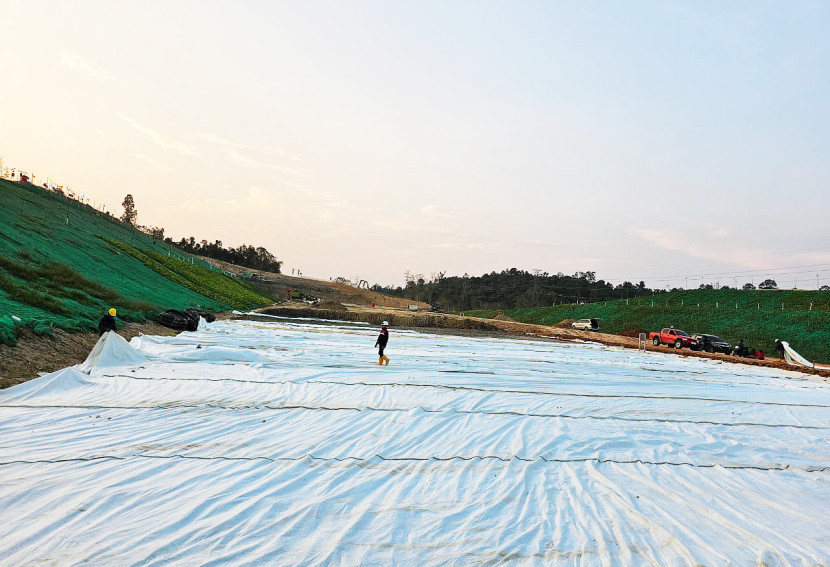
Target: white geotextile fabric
(796,359)
(283,443)
(111,350)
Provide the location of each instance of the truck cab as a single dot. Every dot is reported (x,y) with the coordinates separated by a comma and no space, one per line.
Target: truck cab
(674,337)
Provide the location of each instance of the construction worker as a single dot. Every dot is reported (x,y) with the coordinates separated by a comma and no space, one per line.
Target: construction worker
(107,322)
(383,338)
(779,346)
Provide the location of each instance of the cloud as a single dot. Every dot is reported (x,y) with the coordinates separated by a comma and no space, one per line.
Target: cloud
(239,155)
(704,246)
(257,199)
(433,211)
(267,150)
(153,163)
(162,140)
(239,159)
(73,61)
(458,245)
(815,257)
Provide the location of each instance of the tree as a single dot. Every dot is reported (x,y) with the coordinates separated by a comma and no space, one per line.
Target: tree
(130,213)
(157,233)
(768,284)
(748,285)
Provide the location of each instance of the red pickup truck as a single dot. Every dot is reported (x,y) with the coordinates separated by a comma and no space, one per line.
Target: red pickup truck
(674,337)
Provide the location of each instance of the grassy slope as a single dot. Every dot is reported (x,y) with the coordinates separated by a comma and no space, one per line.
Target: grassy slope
(756,316)
(63,264)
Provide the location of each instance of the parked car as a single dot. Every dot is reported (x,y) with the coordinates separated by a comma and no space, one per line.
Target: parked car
(674,338)
(712,343)
(586,324)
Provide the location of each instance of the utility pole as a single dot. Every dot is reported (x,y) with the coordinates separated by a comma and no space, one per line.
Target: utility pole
(536,273)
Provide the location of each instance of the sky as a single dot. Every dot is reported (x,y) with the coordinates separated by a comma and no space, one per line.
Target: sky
(675,142)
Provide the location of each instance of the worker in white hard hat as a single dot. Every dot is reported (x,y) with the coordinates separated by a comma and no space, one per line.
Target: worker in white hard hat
(107,322)
(383,338)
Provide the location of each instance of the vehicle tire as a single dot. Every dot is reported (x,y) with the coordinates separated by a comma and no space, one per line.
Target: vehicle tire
(710,349)
(678,344)
(656,341)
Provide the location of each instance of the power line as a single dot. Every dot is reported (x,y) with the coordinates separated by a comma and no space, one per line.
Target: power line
(744,273)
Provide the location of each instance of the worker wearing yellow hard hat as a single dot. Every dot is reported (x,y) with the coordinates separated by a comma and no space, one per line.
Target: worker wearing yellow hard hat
(107,322)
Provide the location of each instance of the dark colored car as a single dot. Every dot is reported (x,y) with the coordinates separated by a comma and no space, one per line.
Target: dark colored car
(713,343)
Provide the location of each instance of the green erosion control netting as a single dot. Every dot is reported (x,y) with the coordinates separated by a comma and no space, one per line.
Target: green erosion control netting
(213,284)
(63,264)
(756,316)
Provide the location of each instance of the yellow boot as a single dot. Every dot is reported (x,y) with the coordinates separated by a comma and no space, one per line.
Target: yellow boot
(385,359)
(380,360)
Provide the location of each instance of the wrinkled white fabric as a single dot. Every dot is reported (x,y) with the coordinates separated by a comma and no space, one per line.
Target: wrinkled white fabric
(796,359)
(52,386)
(284,443)
(111,350)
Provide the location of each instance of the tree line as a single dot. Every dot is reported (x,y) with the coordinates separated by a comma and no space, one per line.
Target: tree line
(254,257)
(519,289)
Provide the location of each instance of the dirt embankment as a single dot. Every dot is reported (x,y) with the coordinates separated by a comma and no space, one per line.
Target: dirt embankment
(561,333)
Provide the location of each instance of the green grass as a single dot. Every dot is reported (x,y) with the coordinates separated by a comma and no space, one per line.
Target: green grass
(60,269)
(756,316)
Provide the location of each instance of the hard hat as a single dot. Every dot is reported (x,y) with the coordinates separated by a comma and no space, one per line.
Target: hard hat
(385,323)
(112,311)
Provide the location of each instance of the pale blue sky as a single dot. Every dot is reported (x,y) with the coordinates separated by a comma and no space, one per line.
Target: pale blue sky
(641,140)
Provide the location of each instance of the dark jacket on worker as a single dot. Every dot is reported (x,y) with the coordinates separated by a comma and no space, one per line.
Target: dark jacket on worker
(779,346)
(383,338)
(107,323)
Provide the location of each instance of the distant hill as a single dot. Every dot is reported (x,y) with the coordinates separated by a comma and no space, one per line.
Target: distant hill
(277,286)
(758,316)
(63,264)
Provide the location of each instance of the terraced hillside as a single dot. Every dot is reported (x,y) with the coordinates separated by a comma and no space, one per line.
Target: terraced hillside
(63,263)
